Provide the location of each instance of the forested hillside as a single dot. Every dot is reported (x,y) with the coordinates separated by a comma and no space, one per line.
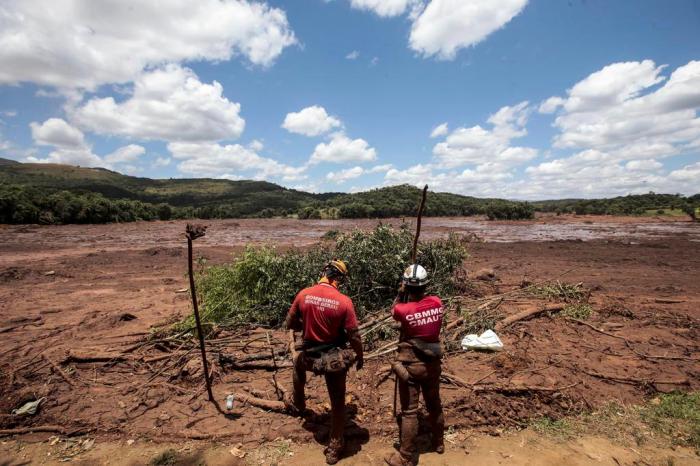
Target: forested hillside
(55,194)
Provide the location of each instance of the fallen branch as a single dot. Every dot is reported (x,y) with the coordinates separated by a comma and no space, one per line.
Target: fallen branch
(524,389)
(31,430)
(270,405)
(59,371)
(527,314)
(23,322)
(668,301)
(83,358)
(629,344)
(233,363)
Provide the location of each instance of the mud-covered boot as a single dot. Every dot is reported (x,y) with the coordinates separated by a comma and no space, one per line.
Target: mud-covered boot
(294,409)
(438,444)
(334,451)
(397,459)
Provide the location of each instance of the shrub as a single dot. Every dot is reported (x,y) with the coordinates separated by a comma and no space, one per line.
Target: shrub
(259,286)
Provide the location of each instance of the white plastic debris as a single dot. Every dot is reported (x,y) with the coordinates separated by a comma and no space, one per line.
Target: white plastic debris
(29,408)
(487,341)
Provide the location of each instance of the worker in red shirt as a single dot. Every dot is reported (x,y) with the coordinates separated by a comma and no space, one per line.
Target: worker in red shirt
(326,318)
(417,365)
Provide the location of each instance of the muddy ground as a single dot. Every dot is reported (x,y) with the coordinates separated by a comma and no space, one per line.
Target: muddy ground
(78,301)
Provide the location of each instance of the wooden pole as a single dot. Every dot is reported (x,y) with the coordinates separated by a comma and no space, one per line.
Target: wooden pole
(193,232)
(414,252)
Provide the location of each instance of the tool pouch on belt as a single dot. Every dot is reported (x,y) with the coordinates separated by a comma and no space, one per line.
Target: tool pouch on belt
(417,350)
(332,361)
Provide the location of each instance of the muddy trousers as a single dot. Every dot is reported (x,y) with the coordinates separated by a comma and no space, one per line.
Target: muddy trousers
(424,377)
(335,383)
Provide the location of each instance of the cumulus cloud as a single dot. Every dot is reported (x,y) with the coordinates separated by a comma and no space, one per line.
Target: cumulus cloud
(341,149)
(57,132)
(126,154)
(212,159)
(344,175)
(310,121)
(161,162)
(477,145)
(83,43)
(384,8)
(355,172)
(168,103)
(352,55)
(618,110)
(484,180)
(446,26)
(439,130)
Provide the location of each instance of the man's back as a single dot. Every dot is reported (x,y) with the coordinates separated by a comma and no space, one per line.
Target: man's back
(325,312)
(421,319)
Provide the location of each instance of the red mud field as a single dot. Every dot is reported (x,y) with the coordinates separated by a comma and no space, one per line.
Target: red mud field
(78,304)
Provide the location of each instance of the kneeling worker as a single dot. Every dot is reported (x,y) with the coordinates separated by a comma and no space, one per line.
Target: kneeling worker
(418,364)
(327,320)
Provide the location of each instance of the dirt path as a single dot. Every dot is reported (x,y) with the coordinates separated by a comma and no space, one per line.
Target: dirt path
(524,448)
(91,290)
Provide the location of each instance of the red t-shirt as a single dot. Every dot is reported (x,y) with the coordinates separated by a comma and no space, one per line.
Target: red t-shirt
(421,319)
(325,311)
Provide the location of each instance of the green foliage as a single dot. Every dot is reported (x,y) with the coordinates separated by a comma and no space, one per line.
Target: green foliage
(677,415)
(581,311)
(559,428)
(259,286)
(559,291)
(505,210)
(637,204)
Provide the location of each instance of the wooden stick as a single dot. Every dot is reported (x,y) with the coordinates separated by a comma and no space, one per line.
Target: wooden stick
(528,314)
(270,405)
(193,232)
(46,428)
(59,371)
(274,364)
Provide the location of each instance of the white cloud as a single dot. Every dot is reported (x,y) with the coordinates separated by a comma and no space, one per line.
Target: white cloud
(689,174)
(380,168)
(344,175)
(352,55)
(610,111)
(81,156)
(445,26)
(374,61)
(310,121)
(84,43)
(57,132)
(161,162)
(384,8)
(215,160)
(9,113)
(256,145)
(125,154)
(643,165)
(439,130)
(168,103)
(341,149)
(476,145)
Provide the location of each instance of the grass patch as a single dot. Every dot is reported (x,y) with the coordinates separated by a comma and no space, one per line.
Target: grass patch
(259,286)
(581,311)
(560,428)
(676,415)
(560,291)
(671,418)
(167,458)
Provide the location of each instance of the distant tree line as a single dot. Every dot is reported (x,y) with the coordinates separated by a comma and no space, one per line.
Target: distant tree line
(23,204)
(634,204)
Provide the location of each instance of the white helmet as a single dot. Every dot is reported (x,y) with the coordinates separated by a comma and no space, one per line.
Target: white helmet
(415,275)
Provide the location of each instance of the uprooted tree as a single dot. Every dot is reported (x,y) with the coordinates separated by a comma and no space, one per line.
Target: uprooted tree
(259,286)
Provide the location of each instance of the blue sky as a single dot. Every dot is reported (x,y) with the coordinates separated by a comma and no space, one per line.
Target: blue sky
(531,99)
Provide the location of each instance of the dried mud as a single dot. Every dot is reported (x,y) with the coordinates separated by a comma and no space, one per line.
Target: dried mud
(72,292)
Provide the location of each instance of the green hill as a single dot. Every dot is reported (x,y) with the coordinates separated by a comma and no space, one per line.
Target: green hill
(52,193)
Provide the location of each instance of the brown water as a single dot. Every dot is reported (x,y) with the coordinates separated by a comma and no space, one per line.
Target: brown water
(80,239)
